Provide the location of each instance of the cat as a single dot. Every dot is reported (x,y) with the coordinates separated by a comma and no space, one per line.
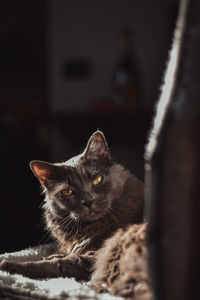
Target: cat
(87,199)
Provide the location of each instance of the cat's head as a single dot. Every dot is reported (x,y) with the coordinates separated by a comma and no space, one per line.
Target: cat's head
(82,186)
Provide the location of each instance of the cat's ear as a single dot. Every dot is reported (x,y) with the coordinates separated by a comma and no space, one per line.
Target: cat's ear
(97,147)
(44,171)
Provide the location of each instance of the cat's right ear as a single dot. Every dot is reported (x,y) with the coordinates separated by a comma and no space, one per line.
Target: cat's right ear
(97,147)
(43,170)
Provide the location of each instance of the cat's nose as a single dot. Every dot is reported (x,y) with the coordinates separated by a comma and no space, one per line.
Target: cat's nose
(87,203)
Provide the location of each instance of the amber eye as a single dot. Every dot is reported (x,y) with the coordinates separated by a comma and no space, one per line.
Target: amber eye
(67,192)
(97,180)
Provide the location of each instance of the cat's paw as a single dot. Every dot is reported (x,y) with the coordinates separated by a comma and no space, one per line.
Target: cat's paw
(10,267)
(54,256)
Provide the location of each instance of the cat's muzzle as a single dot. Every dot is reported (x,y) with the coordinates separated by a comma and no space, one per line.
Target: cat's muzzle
(87,203)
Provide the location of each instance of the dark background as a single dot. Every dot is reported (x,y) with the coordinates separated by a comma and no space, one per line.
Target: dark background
(56,64)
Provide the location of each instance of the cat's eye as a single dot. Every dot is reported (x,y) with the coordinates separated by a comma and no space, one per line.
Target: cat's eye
(97,180)
(67,192)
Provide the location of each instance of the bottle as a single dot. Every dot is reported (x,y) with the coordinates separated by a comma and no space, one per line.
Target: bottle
(126,81)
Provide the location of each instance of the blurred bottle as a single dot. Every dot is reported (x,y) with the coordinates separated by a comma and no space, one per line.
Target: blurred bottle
(126,79)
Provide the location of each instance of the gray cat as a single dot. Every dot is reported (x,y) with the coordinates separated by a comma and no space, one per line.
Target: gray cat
(87,198)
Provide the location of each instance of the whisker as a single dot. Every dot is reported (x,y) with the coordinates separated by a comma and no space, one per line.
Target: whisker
(64,221)
(41,204)
(79,226)
(46,237)
(77,231)
(71,232)
(76,226)
(68,224)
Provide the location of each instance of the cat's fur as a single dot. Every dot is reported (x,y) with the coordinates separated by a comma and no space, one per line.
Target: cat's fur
(81,222)
(121,264)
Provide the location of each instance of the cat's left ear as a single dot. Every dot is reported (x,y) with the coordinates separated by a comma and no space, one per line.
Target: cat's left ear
(97,147)
(43,170)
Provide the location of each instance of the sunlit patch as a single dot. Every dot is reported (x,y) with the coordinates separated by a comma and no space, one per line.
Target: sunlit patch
(170,79)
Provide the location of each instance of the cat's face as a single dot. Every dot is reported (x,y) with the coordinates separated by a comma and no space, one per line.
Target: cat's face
(80,187)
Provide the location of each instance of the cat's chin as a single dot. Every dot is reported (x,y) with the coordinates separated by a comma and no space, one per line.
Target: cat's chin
(87,215)
(94,215)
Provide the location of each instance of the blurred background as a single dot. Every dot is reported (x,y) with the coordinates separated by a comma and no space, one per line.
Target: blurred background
(68,68)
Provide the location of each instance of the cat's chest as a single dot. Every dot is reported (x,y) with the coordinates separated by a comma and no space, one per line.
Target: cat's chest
(90,238)
(77,244)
